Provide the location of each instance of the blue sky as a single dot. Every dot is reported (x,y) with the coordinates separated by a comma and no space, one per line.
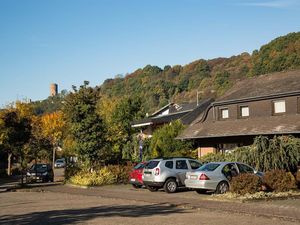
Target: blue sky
(69,41)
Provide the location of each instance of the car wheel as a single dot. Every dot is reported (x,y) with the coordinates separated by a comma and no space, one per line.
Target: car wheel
(170,186)
(222,187)
(152,189)
(136,186)
(201,191)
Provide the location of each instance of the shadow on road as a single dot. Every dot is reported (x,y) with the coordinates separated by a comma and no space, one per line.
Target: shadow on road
(70,216)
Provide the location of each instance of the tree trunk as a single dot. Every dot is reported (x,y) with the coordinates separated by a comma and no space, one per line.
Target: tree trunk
(9,164)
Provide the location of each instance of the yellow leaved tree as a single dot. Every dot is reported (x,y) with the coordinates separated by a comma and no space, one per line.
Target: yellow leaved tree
(53,126)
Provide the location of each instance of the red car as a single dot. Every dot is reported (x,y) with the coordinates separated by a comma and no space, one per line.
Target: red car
(135,177)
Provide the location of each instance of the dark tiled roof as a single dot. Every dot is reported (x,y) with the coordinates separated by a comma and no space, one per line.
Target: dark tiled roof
(274,83)
(161,119)
(199,110)
(284,124)
(261,87)
(185,113)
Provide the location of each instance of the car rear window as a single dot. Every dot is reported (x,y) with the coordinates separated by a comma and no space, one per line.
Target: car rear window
(152,164)
(209,167)
(139,166)
(169,164)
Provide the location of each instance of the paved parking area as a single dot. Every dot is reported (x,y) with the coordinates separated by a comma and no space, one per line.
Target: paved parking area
(57,207)
(288,210)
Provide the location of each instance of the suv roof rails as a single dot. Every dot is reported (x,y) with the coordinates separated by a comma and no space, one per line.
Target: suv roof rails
(175,157)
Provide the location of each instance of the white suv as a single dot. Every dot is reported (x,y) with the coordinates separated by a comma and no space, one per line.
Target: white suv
(168,173)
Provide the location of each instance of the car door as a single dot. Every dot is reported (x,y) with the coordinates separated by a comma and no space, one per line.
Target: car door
(181,167)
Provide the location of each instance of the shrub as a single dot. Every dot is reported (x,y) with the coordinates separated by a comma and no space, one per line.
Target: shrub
(279,180)
(298,178)
(245,183)
(71,170)
(265,154)
(121,173)
(112,174)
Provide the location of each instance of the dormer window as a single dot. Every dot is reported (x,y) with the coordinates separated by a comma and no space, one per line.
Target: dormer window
(224,113)
(244,111)
(279,106)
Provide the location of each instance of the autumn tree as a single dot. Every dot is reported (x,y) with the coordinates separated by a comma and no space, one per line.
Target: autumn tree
(15,131)
(53,126)
(118,115)
(84,124)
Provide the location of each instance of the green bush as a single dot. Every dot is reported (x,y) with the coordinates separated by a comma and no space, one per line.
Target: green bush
(279,180)
(245,183)
(265,154)
(112,174)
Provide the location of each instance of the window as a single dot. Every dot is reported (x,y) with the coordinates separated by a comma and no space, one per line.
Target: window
(152,164)
(244,111)
(209,167)
(181,165)
(224,113)
(194,164)
(169,164)
(244,168)
(279,106)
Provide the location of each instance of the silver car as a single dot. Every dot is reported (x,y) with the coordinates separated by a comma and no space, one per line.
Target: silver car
(216,176)
(168,173)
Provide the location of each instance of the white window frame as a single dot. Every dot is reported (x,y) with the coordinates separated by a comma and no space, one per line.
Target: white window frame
(279,106)
(224,116)
(242,111)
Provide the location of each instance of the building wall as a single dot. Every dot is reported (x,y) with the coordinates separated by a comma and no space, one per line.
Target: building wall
(202,151)
(261,108)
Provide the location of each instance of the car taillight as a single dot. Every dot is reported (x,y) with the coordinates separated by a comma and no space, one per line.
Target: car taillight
(203,177)
(156,172)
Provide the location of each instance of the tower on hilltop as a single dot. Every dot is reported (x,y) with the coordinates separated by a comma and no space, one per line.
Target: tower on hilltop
(53,89)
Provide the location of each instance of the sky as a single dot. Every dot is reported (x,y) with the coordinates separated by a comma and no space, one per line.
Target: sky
(70,41)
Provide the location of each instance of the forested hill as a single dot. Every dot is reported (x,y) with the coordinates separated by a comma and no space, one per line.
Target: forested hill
(156,86)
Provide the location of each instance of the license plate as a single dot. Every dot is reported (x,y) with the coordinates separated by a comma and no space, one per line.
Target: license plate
(147,174)
(132,179)
(193,177)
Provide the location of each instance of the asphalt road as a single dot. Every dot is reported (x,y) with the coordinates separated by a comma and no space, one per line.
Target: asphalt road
(60,204)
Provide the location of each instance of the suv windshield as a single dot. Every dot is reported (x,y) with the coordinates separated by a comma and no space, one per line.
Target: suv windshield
(152,164)
(38,167)
(209,167)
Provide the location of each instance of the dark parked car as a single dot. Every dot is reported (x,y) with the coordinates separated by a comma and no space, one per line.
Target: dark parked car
(135,177)
(40,172)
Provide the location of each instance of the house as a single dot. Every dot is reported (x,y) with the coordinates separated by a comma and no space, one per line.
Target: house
(186,112)
(264,105)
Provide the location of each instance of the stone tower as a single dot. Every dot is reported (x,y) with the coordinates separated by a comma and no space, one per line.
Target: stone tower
(53,89)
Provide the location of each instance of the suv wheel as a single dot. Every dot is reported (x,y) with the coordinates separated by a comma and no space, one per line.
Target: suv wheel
(170,186)
(152,189)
